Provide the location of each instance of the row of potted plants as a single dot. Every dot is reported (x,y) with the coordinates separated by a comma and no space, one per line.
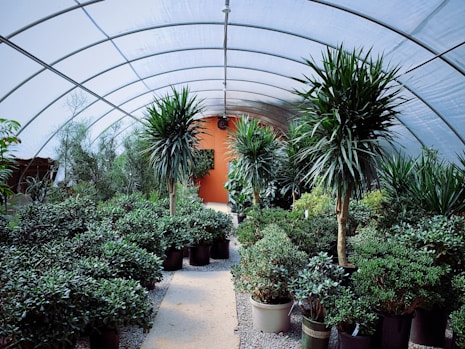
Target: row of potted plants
(78,268)
(406,270)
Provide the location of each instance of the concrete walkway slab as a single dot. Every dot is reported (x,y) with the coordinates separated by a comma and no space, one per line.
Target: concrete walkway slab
(197,312)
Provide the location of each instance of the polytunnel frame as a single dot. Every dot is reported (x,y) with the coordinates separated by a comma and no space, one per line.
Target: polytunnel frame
(49,66)
(118,107)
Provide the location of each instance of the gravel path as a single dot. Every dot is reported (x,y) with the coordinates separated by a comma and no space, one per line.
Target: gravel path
(133,337)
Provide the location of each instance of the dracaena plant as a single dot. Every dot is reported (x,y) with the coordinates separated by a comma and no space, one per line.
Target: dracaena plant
(171,135)
(350,105)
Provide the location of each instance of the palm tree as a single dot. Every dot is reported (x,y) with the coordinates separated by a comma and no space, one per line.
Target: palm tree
(171,134)
(256,148)
(348,109)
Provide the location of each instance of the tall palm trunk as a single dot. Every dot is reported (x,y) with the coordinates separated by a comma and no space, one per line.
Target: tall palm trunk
(342,214)
(256,197)
(172,195)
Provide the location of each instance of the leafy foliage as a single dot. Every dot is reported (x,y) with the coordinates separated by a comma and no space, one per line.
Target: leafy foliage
(7,140)
(348,312)
(426,182)
(171,135)
(266,267)
(457,317)
(255,147)
(394,277)
(350,105)
(319,279)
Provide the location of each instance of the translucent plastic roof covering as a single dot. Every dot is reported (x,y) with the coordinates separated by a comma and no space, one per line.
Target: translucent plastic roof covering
(240,56)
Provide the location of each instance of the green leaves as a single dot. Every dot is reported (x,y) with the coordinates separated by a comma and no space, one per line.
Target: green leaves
(267,266)
(319,279)
(350,105)
(425,182)
(255,147)
(171,133)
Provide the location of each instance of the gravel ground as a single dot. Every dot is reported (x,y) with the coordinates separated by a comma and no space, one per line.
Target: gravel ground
(133,337)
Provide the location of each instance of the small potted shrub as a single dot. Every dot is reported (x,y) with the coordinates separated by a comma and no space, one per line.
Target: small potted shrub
(130,261)
(445,238)
(111,304)
(264,271)
(353,317)
(41,309)
(396,279)
(221,228)
(457,317)
(202,236)
(319,279)
(176,233)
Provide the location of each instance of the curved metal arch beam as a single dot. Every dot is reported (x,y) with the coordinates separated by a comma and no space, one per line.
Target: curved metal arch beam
(182,50)
(53,15)
(405,35)
(138,58)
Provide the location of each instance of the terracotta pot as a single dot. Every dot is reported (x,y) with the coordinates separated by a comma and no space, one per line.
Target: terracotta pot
(173,260)
(220,249)
(315,334)
(271,318)
(429,327)
(199,255)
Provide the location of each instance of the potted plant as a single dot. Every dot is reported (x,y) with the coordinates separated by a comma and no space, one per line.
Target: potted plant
(445,238)
(221,226)
(201,238)
(128,260)
(111,304)
(239,193)
(344,131)
(457,317)
(396,279)
(40,309)
(319,279)
(175,231)
(264,271)
(353,317)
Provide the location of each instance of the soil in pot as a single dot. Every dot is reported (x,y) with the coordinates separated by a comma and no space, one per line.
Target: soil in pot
(347,341)
(429,327)
(315,334)
(107,339)
(173,260)
(199,255)
(220,249)
(393,331)
(271,318)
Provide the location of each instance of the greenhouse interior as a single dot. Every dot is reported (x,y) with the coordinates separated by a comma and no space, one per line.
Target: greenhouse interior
(312,150)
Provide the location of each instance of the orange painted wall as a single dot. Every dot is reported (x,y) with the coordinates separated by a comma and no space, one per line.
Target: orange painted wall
(212,185)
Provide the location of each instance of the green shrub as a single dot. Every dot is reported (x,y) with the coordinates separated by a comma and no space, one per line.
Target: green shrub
(130,261)
(175,231)
(316,234)
(114,303)
(457,317)
(349,313)
(267,266)
(319,279)
(315,202)
(43,309)
(39,223)
(251,230)
(396,278)
(140,226)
